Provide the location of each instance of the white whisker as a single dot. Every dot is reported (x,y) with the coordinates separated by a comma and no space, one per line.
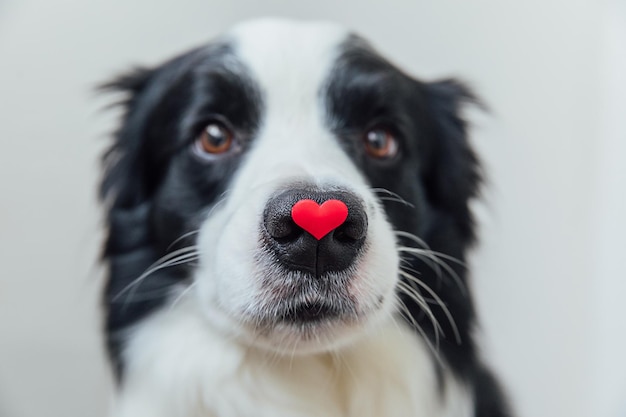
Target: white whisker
(416,296)
(193,232)
(392,196)
(439,301)
(425,246)
(436,263)
(434,349)
(421,253)
(182,295)
(133,286)
(177,257)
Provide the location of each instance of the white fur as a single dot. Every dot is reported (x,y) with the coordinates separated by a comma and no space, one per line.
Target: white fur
(197,358)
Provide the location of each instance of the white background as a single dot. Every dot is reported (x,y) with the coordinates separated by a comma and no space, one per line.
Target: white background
(548,275)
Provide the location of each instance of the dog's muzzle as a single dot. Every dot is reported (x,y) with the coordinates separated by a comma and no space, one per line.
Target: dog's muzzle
(296,247)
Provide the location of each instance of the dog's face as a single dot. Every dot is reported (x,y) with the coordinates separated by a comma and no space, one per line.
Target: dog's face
(260,274)
(220,144)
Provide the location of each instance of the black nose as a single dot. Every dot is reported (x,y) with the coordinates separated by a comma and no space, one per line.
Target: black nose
(297,248)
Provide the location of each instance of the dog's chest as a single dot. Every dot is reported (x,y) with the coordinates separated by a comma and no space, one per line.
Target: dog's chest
(178,367)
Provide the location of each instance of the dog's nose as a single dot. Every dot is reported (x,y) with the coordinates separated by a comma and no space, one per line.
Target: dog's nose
(315,231)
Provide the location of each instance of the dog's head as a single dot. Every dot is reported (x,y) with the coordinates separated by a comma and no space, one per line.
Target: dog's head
(220,149)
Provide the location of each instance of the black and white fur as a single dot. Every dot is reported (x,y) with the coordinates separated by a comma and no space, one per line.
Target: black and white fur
(202,318)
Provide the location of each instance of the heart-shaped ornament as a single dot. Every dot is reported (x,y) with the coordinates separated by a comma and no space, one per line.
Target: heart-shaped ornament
(319,220)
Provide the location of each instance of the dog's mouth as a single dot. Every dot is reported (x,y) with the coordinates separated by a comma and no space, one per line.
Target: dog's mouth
(304,325)
(298,312)
(292,301)
(304,310)
(304,313)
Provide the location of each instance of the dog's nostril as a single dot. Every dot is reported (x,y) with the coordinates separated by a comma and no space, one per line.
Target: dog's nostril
(282,228)
(341,236)
(353,230)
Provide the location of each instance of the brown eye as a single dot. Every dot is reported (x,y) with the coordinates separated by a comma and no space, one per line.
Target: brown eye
(215,139)
(380,143)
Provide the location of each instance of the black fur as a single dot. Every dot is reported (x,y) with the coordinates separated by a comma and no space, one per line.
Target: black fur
(156,190)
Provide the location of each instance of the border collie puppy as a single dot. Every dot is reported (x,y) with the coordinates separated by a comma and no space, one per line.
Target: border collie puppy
(287,222)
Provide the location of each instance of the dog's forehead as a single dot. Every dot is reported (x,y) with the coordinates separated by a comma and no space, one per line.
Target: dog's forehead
(293,54)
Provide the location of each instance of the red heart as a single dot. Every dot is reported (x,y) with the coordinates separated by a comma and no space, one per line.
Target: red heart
(319,220)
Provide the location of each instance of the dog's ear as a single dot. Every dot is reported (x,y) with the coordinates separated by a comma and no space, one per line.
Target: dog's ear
(451,173)
(123,181)
(125,185)
(129,181)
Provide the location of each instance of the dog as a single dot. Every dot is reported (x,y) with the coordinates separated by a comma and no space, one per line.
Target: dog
(287,224)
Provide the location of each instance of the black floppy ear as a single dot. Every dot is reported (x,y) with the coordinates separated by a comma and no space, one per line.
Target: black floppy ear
(452,174)
(125,184)
(129,180)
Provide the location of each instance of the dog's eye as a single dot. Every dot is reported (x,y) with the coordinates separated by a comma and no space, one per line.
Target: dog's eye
(215,139)
(380,143)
